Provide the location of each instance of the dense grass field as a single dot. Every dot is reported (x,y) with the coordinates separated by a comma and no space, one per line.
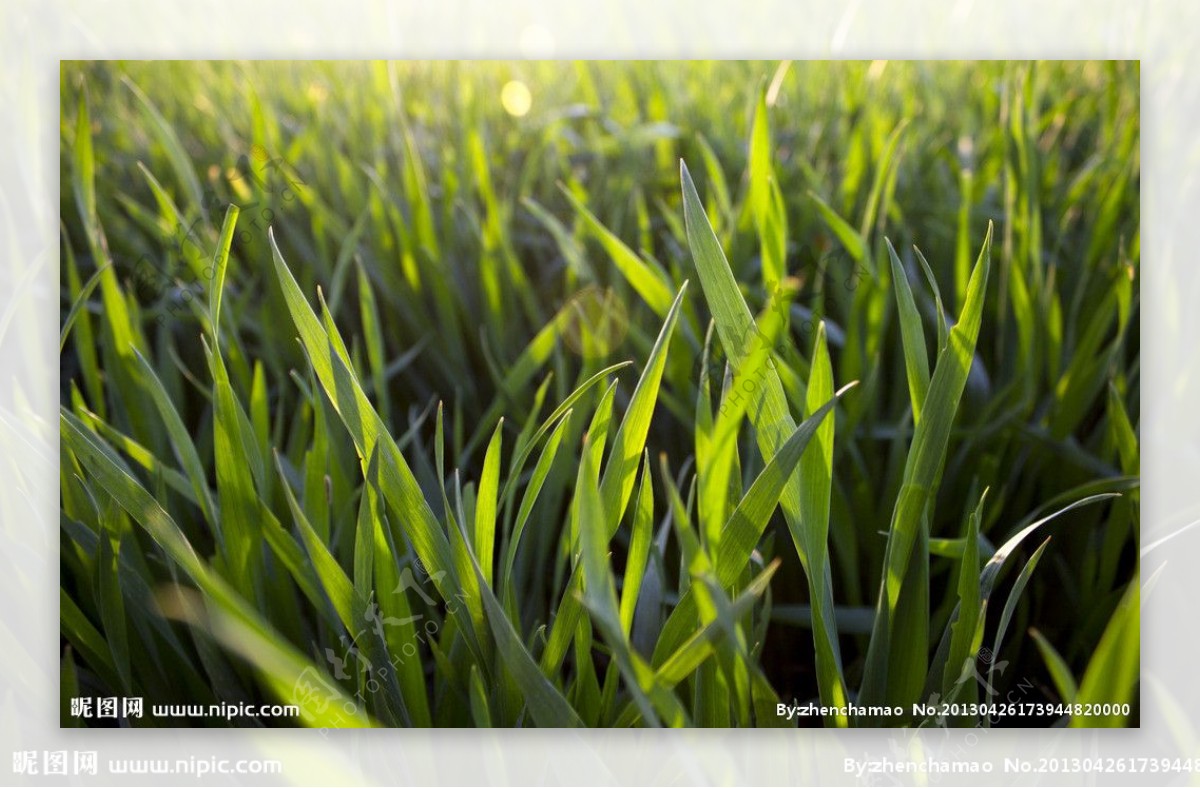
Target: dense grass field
(511,394)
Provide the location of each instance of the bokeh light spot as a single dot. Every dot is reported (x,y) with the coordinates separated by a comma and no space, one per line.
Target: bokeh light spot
(516,98)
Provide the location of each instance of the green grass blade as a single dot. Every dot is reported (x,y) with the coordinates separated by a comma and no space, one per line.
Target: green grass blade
(1060,671)
(639,548)
(540,471)
(220,263)
(485,505)
(84,294)
(769,410)
(366,428)
(921,470)
(962,630)
(648,282)
(545,703)
(233,619)
(856,247)
(916,357)
(1010,604)
(616,485)
(1111,676)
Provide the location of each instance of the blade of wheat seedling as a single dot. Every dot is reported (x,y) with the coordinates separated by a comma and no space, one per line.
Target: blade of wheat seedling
(718,460)
(112,604)
(655,701)
(480,712)
(181,441)
(744,529)
(545,703)
(84,294)
(1111,676)
(616,484)
(220,264)
(916,357)
(943,332)
(649,283)
(485,505)
(694,650)
(962,629)
(720,208)
(639,548)
(765,201)
(180,161)
(366,428)
(1010,604)
(926,456)
(237,495)
(373,336)
(856,247)
(1060,671)
(769,410)
(540,471)
(234,621)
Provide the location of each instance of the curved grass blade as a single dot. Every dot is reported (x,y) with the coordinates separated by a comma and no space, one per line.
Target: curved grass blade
(616,485)
(235,621)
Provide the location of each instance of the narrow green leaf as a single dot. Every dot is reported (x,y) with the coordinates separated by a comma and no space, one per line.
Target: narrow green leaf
(485,505)
(648,282)
(916,358)
(639,548)
(962,629)
(289,674)
(220,263)
(1111,676)
(616,485)
(1060,671)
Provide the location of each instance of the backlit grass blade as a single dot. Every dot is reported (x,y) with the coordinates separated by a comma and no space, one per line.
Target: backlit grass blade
(816,480)
(1060,671)
(80,300)
(112,605)
(655,700)
(916,358)
(545,703)
(181,442)
(765,201)
(1010,605)
(926,456)
(616,485)
(559,413)
(540,471)
(180,161)
(962,629)
(480,711)
(238,622)
(850,238)
(236,491)
(329,572)
(366,428)
(86,639)
(85,335)
(769,408)
(373,336)
(943,332)
(639,548)
(648,282)
(220,263)
(694,650)
(485,505)
(1111,676)
(717,456)
(744,529)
